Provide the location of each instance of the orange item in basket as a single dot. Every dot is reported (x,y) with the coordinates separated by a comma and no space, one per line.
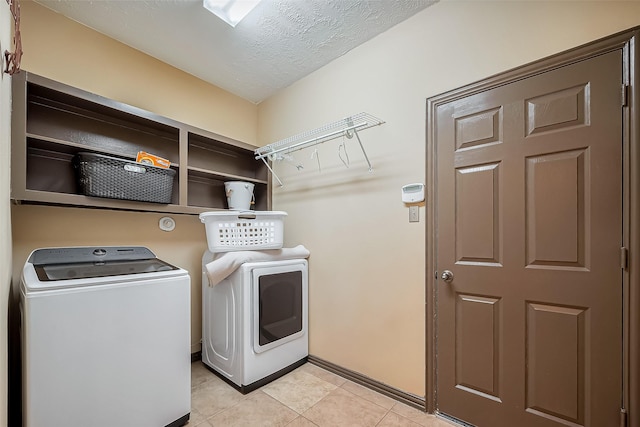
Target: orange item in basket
(151,159)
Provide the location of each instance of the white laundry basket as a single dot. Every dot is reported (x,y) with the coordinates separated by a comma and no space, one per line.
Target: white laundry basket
(229,231)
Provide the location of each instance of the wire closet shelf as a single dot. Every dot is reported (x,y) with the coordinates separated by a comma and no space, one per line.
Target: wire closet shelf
(349,126)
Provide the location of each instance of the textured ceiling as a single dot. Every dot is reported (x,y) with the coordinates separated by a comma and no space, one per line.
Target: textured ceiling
(278,43)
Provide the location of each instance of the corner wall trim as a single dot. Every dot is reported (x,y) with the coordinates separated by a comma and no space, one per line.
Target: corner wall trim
(392,392)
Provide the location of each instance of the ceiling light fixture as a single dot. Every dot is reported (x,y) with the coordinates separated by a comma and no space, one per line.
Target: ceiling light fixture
(230,11)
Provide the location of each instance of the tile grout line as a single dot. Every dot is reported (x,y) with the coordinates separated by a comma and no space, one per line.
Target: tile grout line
(240,402)
(364,398)
(383,417)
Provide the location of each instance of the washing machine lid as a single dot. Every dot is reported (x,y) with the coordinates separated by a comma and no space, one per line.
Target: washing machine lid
(54,264)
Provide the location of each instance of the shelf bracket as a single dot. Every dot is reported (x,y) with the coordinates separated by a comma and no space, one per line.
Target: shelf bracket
(266,162)
(363,151)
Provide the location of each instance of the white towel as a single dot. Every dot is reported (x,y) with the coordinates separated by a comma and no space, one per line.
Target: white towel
(228,262)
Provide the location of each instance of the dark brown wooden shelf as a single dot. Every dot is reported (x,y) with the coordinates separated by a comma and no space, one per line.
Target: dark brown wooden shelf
(52,122)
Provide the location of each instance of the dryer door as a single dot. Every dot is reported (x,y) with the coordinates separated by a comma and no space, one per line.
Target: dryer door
(279,305)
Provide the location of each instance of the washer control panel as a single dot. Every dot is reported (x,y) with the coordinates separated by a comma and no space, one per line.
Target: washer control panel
(53,256)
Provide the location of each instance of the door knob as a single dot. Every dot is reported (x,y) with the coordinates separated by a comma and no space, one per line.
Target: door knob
(447,276)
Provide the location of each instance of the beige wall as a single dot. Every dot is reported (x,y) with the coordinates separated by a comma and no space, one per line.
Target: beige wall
(68,52)
(6,24)
(367,266)
(63,50)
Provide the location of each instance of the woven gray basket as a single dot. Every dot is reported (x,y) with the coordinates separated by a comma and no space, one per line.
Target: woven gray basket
(114,178)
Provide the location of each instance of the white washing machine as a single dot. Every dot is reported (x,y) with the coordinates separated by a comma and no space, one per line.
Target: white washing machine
(255,322)
(105,339)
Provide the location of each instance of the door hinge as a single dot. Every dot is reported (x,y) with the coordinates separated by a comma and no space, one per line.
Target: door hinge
(624,258)
(623,417)
(625,95)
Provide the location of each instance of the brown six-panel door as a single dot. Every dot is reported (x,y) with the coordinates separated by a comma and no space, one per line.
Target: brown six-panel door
(529,223)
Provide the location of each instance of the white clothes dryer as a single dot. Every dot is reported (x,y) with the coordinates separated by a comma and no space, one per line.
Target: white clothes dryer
(255,322)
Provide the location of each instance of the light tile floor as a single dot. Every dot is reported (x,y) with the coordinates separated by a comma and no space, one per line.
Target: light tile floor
(307,397)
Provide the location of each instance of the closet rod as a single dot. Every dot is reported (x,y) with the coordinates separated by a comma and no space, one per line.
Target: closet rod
(349,126)
(309,141)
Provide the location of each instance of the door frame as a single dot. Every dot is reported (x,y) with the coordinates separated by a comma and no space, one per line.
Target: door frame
(629,43)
